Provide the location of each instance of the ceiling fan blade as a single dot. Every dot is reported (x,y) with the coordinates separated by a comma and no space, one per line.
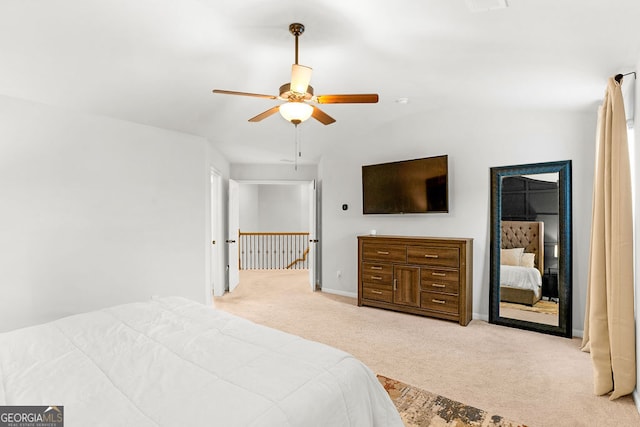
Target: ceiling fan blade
(256,95)
(265,114)
(362,98)
(322,117)
(300,78)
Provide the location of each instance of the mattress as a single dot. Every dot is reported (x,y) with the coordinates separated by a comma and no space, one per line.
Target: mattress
(174,362)
(521,278)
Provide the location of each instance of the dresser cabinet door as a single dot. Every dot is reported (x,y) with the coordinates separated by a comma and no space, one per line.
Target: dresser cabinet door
(406,285)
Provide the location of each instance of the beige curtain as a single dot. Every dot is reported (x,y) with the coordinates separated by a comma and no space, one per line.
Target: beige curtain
(609,328)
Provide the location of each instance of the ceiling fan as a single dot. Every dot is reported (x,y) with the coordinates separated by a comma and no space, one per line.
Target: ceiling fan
(298,93)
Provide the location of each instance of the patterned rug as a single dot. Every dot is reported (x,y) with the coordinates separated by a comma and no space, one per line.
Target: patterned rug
(420,408)
(547,307)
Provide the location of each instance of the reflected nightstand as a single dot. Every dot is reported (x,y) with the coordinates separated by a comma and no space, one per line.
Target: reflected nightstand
(550,284)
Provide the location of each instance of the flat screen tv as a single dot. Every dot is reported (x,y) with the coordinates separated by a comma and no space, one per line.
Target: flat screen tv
(406,187)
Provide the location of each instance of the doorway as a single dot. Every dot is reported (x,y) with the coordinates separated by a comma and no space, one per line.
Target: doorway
(275,207)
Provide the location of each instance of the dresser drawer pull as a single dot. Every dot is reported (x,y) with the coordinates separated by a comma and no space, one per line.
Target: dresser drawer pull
(383,252)
(438,285)
(376,267)
(430,256)
(438,274)
(373,291)
(376,277)
(395,284)
(438,301)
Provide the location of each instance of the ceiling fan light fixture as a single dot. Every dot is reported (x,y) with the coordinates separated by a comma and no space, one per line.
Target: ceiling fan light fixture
(297,93)
(296,112)
(300,78)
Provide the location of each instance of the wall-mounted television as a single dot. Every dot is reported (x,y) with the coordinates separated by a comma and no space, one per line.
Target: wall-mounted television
(406,187)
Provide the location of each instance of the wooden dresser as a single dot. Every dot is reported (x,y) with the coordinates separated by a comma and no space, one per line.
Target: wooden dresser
(429,276)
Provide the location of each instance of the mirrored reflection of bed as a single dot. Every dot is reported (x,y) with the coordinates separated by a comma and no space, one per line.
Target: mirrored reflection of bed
(521,261)
(174,362)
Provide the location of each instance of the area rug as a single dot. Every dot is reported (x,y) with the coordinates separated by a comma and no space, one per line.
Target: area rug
(420,408)
(547,307)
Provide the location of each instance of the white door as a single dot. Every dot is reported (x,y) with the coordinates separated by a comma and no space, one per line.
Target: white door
(313,237)
(216,261)
(234,230)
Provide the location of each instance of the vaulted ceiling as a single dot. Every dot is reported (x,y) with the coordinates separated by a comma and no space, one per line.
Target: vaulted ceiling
(155,62)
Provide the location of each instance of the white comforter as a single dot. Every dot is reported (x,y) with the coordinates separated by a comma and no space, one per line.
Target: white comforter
(521,277)
(173,362)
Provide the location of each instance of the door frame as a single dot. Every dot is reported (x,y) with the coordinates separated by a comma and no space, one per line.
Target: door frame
(215,266)
(313,234)
(233,239)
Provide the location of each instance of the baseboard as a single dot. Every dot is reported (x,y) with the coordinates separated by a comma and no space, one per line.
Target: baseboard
(636,398)
(338,292)
(479,316)
(577,333)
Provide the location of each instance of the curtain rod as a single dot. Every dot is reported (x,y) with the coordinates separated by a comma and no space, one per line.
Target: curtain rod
(619,77)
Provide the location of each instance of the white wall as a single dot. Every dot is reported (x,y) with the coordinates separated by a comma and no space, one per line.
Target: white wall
(249,198)
(96,212)
(283,208)
(475,141)
(274,207)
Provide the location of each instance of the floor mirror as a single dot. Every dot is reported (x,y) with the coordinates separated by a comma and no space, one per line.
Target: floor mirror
(531,264)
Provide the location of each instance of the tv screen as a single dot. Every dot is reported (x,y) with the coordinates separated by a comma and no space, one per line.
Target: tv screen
(410,186)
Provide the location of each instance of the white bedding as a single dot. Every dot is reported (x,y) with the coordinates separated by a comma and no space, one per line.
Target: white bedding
(521,277)
(173,362)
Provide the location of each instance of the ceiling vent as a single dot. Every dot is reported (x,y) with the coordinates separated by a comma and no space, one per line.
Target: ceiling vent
(486,5)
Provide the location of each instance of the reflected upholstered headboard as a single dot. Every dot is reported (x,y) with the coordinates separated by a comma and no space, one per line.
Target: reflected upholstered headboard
(525,234)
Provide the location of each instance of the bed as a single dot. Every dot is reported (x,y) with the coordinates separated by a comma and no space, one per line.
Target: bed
(521,275)
(173,362)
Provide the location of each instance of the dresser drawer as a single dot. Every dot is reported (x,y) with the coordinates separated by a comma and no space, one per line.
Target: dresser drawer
(432,286)
(377,273)
(377,293)
(435,280)
(388,253)
(439,302)
(433,256)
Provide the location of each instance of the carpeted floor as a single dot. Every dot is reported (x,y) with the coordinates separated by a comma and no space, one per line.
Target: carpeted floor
(533,378)
(420,408)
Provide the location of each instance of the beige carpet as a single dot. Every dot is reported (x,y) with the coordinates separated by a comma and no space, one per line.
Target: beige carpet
(533,378)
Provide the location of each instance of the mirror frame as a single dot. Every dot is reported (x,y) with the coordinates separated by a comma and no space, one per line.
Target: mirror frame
(565,264)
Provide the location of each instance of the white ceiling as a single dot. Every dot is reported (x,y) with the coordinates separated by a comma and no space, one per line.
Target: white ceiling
(156,61)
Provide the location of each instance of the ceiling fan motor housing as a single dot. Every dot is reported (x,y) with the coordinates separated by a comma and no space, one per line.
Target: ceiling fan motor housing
(287,94)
